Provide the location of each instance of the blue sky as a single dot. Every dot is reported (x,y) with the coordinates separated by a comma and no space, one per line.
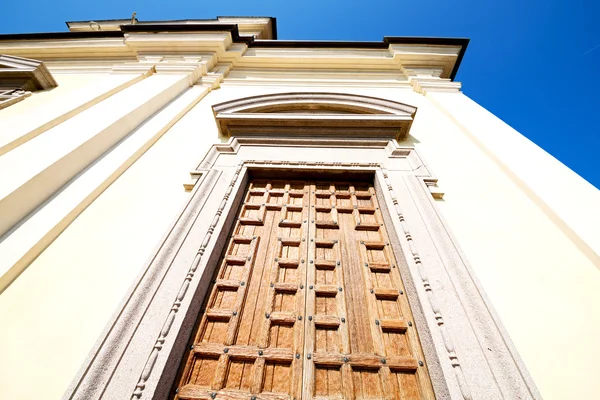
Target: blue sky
(532,63)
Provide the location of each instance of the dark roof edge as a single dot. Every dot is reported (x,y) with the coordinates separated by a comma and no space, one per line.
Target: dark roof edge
(60,35)
(231,28)
(273,22)
(165,23)
(164,20)
(99,20)
(154,28)
(461,54)
(318,44)
(274,27)
(387,40)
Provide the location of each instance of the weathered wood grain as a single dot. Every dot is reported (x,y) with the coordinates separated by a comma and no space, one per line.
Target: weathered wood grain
(307,304)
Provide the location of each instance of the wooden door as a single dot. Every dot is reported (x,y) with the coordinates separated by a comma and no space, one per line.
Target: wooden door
(360,342)
(307,303)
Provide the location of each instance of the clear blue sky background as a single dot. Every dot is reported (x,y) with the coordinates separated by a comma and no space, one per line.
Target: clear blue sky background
(532,63)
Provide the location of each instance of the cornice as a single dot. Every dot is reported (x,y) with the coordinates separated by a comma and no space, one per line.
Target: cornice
(425,85)
(24,73)
(423,51)
(333,77)
(255,27)
(282,102)
(392,148)
(307,59)
(216,75)
(232,29)
(428,79)
(418,56)
(12,37)
(460,43)
(314,115)
(85,48)
(223,37)
(99,25)
(178,44)
(128,44)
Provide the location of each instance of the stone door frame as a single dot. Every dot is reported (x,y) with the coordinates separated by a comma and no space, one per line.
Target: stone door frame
(468,352)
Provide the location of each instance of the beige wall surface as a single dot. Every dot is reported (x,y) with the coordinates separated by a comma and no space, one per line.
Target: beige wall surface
(567,198)
(59,305)
(44,109)
(544,288)
(542,285)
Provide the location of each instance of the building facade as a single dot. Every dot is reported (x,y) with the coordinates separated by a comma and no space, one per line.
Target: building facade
(195,209)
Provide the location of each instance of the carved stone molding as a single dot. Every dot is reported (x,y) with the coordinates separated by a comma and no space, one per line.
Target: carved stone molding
(183,291)
(415,56)
(10,97)
(143,346)
(314,114)
(341,102)
(392,148)
(427,84)
(435,191)
(430,79)
(216,75)
(489,362)
(185,286)
(24,73)
(431,297)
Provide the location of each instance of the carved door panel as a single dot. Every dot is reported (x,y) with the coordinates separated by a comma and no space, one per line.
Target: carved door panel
(307,303)
(360,340)
(251,336)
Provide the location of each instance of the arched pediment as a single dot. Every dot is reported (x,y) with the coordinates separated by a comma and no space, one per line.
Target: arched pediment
(312,114)
(24,73)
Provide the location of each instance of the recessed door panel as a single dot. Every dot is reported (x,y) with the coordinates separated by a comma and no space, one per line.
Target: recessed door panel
(361,342)
(250,338)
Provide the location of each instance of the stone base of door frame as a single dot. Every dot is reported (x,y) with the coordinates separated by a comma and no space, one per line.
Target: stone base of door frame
(467,351)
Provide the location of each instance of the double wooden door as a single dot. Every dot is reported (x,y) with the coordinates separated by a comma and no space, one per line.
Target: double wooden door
(307,303)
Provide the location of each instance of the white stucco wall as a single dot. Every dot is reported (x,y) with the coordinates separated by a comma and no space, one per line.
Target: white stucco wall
(542,284)
(66,296)
(44,109)
(544,287)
